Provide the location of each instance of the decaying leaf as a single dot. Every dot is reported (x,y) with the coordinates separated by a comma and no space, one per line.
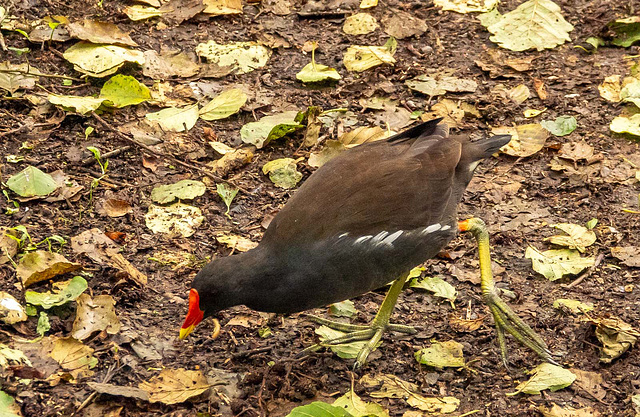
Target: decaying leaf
(356,407)
(173,386)
(360,58)
(401,25)
(240,57)
(114,207)
(555,264)
(104,251)
(95,315)
(11,311)
(436,285)
(467,6)
(574,306)
(615,335)
(101,60)
(181,190)
(95,31)
(535,24)
(526,139)
(465,325)
(628,255)
(270,128)
(175,119)
(576,151)
(176,219)
(31,182)
(442,355)
(72,355)
(42,265)
(610,89)
(235,242)
(360,24)
(10,356)
(591,382)
(577,237)
(557,411)
(167,64)
(441,83)
(545,376)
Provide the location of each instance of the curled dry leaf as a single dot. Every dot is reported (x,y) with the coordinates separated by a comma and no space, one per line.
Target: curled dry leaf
(463,325)
(235,242)
(8,244)
(526,140)
(72,355)
(546,376)
(114,207)
(615,335)
(11,311)
(577,237)
(576,151)
(99,32)
(95,315)
(567,411)
(42,265)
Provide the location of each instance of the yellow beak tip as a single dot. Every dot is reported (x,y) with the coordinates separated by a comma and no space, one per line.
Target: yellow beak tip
(184,332)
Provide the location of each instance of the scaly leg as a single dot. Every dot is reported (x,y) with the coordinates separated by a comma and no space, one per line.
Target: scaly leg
(372,333)
(505,318)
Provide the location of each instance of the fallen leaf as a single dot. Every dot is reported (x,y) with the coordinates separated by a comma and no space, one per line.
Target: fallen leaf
(99,32)
(11,356)
(95,315)
(114,207)
(540,88)
(344,308)
(463,325)
(176,219)
(610,89)
(8,244)
(283,172)
(627,31)
(562,126)
(222,7)
(118,390)
(63,293)
(314,72)
(168,64)
(555,264)
(360,58)
(615,335)
(181,190)
(224,105)
(467,6)
(72,355)
(401,25)
(545,376)
(574,306)
(577,237)
(8,406)
(576,151)
(556,411)
(534,24)
(529,113)
(436,285)
(173,386)
(235,242)
(31,182)
(11,312)
(345,350)
(175,119)
(124,90)
(628,255)
(356,407)
(240,57)
(42,265)
(591,382)
(101,60)
(526,140)
(360,24)
(270,128)
(439,84)
(442,355)
(319,409)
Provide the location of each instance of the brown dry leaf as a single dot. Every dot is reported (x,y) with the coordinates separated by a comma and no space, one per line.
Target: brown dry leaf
(526,140)
(615,335)
(402,25)
(175,12)
(168,64)
(361,135)
(331,149)
(95,315)
(173,386)
(42,265)
(463,325)
(222,7)
(245,321)
(494,61)
(628,255)
(232,161)
(610,89)
(235,242)
(556,411)
(540,88)
(104,251)
(68,188)
(72,355)
(8,245)
(114,207)
(277,7)
(576,151)
(99,32)
(118,390)
(451,111)
(591,382)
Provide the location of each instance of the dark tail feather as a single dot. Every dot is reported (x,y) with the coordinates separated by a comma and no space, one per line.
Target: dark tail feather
(421,130)
(489,146)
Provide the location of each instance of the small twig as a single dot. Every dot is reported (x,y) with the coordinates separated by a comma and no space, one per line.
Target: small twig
(251,352)
(39,74)
(162,154)
(585,274)
(110,373)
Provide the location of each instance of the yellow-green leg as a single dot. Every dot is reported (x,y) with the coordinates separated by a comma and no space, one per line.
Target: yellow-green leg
(372,333)
(505,318)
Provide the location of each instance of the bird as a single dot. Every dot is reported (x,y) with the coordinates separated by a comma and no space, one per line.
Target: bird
(362,220)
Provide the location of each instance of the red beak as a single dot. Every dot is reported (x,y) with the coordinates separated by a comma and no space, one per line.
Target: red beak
(194,315)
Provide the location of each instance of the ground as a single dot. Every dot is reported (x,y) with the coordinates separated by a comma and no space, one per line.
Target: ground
(517,197)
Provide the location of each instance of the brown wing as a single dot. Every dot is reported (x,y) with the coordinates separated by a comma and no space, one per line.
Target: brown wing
(370,188)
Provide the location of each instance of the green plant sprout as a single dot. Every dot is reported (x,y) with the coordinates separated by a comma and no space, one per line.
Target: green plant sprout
(103,169)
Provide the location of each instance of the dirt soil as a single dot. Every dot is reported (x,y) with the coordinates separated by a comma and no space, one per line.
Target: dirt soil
(517,197)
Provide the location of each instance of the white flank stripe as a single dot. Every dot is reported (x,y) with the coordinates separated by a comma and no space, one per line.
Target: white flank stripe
(362,239)
(392,237)
(431,229)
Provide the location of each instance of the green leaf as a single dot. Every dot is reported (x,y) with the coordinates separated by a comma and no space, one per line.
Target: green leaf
(101,60)
(535,24)
(283,172)
(264,332)
(342,309)
(182,190)
(43,324)
(224,105)
(270,128)
(82,105)
(124,90)
(546,376)
(31,182)
(630,93)
(627,31)
(555,264)
(8,406)
(562,126)
(319,409)
(66,291)
(227,194)
(313,73)
(592,223)
(436,285)
(441,355)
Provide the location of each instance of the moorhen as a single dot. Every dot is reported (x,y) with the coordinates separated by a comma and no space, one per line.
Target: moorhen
(365,218)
